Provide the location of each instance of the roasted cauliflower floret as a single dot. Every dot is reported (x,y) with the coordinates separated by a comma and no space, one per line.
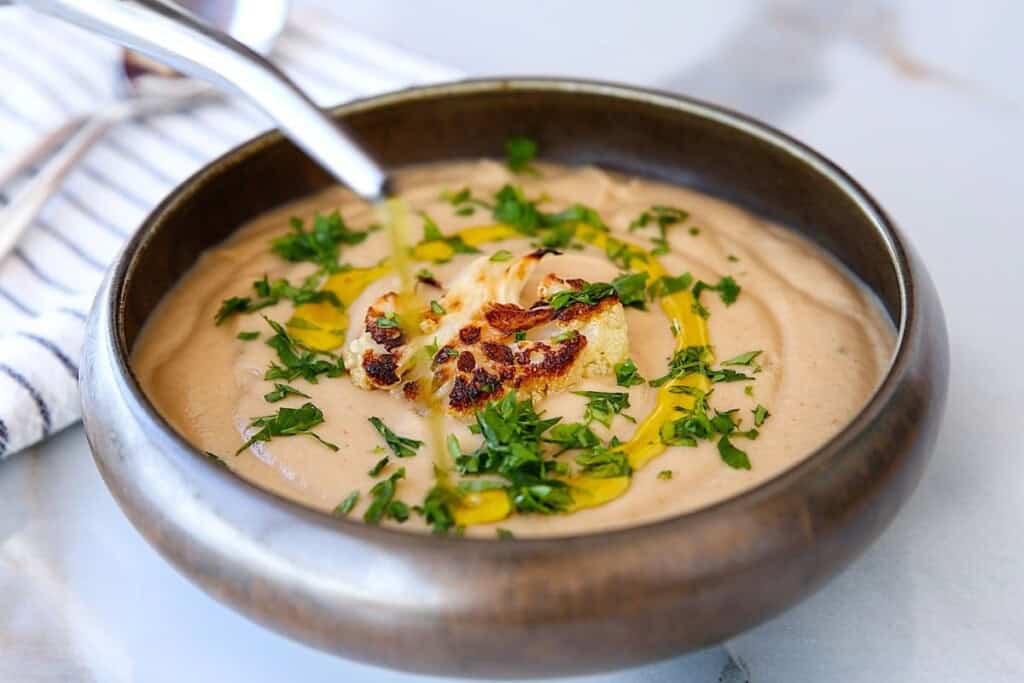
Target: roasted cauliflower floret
(487,343)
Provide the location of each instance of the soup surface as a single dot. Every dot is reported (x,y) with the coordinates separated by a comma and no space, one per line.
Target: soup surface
(688,350)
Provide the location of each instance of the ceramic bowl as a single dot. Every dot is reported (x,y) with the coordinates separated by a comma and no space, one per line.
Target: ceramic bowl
(571,605)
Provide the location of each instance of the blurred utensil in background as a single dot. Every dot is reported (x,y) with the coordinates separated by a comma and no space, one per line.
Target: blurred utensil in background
(176,38)
(147,88)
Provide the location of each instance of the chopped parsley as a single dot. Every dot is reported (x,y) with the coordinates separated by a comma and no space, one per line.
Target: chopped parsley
(345,506)
(215,459)
(512,431)
(564,336)
(694,360)
(504,534)
(248,336)
(379,466)
(732,456)
(281,391)
(667,285)
(572,435)
(687,361)
(288,422)
(622,254)
(663,217)
(298,361)
(432,233)
(760,415)
(628,287)
(604,463)
(512,208)
(436,308)
(698,424)
(519,152)
(320,245)
(520,335)
(602,406)
(464,202)
(694,231)
(437,509)
(269,294)
(501,255)
(388,320)
(743,359)
(665,475)
(401,446)
(383,503)
(727,289)
(626,374)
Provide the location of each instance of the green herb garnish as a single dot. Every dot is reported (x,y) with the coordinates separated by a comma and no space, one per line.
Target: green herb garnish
(626,374)
(743,359)
(298,361)
(216,459)
(346,505)
(760,415)
(727,289)
(667,284)
(572,435)
(504,534)
(663,217)
(602,406)
(281,391)
(321,245)
(383,503)
(288,422)
(437,509)
(732,456)
(693,360)
(432,233)
(665,475)
(519,152)
(379,466)
(628,287)
(248,336)
(511,448)
(401,446)
(436,308)
(501,255)
(604,463)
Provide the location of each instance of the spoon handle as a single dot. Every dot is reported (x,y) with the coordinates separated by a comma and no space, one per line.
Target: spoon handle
(177,39)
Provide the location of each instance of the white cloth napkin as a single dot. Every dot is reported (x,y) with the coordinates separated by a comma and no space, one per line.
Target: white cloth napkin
(50,71)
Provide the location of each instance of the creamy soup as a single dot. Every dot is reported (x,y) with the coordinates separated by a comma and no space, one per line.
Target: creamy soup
(689,350)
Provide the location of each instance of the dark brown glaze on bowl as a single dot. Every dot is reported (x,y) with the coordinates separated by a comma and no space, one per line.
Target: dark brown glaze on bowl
(527,607)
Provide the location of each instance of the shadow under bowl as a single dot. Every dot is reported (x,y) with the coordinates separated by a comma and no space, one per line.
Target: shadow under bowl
(476,607)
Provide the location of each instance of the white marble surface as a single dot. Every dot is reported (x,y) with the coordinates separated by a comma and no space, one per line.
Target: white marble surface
(921,100)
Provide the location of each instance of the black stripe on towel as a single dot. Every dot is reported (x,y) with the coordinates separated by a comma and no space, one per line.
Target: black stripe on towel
(53,349)
(36,270)
(3,438)
(44,410)
(71,246)
(17,303)
(72,312)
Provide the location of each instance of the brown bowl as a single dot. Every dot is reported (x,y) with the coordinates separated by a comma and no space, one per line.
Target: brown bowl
(530,607)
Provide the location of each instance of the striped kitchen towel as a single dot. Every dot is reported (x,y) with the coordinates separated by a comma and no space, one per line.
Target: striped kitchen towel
(49,72)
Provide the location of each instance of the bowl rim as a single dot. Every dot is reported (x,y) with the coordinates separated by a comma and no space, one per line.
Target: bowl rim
(885,227)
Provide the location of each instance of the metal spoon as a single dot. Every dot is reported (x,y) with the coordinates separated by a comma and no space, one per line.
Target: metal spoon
(150,88)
